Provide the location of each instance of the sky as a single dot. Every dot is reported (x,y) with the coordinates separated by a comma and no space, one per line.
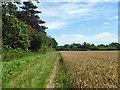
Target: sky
(78,21)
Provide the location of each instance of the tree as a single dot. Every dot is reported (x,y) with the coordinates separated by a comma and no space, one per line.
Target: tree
(8,9)
(14,32)
(54,43)
(73,47)
(21,30)
(93,47)
(67,47)
(29,20)
(29,8)
(85,46)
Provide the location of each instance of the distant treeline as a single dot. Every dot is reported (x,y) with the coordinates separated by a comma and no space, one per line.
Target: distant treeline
(87,46)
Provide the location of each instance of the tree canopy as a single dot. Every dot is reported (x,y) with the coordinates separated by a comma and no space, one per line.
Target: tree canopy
(22,29)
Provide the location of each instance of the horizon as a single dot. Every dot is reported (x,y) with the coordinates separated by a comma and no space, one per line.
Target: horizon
(89,43)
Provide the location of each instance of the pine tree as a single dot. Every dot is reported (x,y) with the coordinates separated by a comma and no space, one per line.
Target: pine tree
(29,8)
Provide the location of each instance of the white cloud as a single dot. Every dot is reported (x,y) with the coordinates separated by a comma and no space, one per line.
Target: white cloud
(115,17)
(59,15)
(70,12)
(104,37)
(111,18)
(55,25)
(72,36)
(67,11)
(105,23)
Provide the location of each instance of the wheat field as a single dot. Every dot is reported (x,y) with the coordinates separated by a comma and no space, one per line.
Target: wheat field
(91,69)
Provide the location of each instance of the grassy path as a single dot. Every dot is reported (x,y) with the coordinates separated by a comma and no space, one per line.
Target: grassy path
(31,73)
(52,76)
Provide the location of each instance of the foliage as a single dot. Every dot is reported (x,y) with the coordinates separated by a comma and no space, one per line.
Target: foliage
(25,52)
(54,43)
(21,32)
(29,20)
(28,72)
(62,79)
(86,46)
(41,42)
(8,8)
(12,54)
(14,32)
(30,9)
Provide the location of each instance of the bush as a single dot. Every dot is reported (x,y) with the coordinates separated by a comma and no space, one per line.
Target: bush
(15,33)
(13,54)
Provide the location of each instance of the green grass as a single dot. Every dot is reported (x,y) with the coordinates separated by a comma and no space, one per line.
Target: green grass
(28,72)
(62,79)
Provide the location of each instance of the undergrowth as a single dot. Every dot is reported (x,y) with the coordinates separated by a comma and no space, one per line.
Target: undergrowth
(12,54)
(28,72)
(62,79)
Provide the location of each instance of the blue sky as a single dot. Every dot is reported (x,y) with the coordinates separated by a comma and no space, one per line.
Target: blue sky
(78,22)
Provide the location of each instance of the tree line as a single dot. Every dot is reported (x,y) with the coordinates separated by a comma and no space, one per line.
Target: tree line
(22,29)
(87,46)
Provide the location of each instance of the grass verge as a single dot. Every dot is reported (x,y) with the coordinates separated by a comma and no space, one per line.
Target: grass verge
(28,72)
(62,79)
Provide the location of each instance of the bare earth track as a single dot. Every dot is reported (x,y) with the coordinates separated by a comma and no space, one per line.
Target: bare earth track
(52,76)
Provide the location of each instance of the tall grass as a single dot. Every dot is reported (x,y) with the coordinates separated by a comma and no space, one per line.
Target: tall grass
(62,79)
(28,72)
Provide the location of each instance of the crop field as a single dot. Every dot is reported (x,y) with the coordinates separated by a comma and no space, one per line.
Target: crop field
(91,69)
